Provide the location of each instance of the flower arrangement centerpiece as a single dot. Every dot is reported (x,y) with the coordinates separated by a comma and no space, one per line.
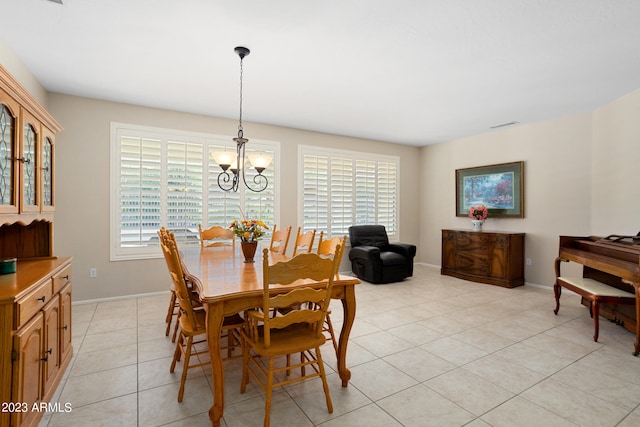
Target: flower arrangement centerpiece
(478,214)
(249,231)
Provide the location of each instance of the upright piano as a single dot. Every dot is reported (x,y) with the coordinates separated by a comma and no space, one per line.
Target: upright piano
(615,261)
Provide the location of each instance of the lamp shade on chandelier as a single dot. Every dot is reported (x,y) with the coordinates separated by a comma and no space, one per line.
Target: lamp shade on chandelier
(235,165)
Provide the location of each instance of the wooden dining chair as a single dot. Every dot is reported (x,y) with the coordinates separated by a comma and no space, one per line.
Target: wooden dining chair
(174,307)
(192,322)
(216,236)
(329,247)
(304,242)
(296,331)
(280,240)
(231,333)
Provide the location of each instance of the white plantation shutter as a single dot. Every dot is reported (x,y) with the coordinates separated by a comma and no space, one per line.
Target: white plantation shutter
(344,188)
(140,185)
(341,191)
(365,195)
(163,177)
(184,188)
(387,191)
(261,205)
(315,200)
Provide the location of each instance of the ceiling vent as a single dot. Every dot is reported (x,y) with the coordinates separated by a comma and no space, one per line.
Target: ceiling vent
(504,125)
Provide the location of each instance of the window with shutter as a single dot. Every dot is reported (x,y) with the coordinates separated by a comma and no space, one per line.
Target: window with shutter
(343,188)
(163,177)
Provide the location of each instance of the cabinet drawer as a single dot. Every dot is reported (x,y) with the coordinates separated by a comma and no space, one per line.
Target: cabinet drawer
(61,279)
(472,263)
(28,306)
(475,237)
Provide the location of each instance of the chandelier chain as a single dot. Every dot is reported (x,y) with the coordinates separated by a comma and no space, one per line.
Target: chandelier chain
(240,130)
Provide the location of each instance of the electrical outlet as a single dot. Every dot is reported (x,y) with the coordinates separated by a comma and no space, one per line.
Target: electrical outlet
(93,272)
(528,261)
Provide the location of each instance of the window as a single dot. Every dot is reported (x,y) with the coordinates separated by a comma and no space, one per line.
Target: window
(162,177)
(343,188)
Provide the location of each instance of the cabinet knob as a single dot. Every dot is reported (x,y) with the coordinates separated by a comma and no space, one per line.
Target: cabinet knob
(65,327)
(66,277)
(42,298)
(46,356)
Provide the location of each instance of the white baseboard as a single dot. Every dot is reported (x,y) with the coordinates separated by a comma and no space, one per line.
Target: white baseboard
(119,298)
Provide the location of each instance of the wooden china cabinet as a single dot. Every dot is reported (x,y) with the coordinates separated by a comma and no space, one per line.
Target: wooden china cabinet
(35,301)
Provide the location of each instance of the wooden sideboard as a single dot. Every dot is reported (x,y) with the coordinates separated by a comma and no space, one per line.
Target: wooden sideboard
(486,257)
(35,337)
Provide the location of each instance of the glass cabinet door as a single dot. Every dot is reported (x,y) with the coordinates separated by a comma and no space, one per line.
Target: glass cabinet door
(47,172)
(29,166)
(8,148)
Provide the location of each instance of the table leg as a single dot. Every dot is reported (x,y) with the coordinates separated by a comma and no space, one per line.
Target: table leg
(636,347)
(215,318)
(349,310)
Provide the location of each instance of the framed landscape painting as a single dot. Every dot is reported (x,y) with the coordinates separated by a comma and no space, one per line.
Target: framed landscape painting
(499,187)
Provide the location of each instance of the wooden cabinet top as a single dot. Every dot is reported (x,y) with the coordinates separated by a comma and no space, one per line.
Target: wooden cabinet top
(28,273)
(460,230)
(18,92)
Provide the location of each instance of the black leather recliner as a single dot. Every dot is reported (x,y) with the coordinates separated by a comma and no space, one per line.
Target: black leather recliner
(376,260)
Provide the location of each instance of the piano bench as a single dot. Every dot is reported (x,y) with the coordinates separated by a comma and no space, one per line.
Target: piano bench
(595,292)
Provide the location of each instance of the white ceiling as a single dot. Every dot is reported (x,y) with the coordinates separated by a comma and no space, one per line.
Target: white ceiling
(412,72)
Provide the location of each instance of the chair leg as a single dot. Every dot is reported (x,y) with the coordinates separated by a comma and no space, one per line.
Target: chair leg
(288,364)
(170,312)
(323,375)
(175,329)
(596,316)
(557,290)
(231,342)
(185,368)
(269,390)
(176,354)
(245,367)
(327,321)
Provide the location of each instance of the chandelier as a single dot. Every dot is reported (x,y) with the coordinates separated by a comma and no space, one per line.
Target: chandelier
(238,165)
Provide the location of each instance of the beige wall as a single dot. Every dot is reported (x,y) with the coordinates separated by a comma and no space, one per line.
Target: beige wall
(10,61)
(581,178)
(82,182)
(615,171)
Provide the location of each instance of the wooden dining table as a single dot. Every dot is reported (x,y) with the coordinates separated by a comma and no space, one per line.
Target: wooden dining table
(227,285)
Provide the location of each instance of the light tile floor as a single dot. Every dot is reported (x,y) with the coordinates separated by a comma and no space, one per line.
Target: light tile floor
(430,351)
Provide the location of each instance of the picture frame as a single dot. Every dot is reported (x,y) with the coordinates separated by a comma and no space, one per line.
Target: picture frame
(499,187)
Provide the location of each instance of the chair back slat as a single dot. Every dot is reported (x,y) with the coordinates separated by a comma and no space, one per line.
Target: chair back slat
(329,247)
(216,236)
(280,240)
(304,242)
(310,301)
(313,317)
(297,295)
